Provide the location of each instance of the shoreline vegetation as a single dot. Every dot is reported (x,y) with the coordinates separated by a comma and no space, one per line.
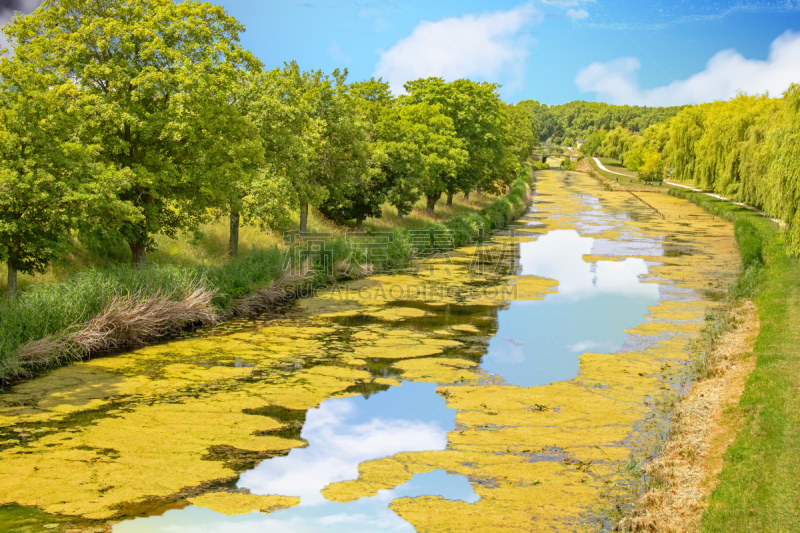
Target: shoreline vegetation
(102,310)
(127,132)
(731,460)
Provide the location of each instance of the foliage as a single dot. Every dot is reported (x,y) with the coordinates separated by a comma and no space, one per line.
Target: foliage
(745,149)
(580,120)
(479,121)
(158,75)
(136,121)
(653,167)
(49,182)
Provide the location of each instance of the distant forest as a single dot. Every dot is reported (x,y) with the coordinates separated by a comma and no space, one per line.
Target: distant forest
(565,123)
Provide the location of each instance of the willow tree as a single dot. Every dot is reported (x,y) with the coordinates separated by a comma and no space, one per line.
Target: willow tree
(155,71)
(50,182)
(780,192)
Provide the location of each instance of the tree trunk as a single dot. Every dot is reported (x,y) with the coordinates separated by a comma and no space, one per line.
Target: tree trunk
(466,196)
(358,223)
(233,237)
(478,192)
(138,254)
(303,218)
(449,199)
(12,280)
(431,204)
(399,215)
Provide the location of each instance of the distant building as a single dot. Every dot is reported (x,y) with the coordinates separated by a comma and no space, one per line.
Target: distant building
(578,144)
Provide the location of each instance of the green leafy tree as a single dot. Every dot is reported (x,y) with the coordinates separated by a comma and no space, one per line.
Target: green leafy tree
(50,183)
(439,158)
(479,121)
(653,167)
(593,142)
(521,132)
(365,193)
(158,73)
(327,136)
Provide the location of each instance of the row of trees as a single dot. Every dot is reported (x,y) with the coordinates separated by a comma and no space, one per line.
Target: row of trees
(122,119)
(746,149)
(565,123)
(637,152)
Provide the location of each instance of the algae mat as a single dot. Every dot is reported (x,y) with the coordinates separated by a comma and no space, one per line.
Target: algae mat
(184,425)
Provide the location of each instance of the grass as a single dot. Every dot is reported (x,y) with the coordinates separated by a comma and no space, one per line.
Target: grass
(758,488)
(54,308)
(622,170)
(632,180)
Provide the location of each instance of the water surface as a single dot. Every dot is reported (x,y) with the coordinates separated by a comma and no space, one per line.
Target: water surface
(508,400)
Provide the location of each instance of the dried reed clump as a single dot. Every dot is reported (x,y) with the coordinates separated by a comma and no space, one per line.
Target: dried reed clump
(682,477)
(276,293)
(346,270)
(133,319)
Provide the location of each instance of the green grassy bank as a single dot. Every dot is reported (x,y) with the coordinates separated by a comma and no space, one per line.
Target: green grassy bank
(759,487)
(62,310)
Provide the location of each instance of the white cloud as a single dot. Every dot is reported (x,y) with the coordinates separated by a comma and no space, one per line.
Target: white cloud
(342,434)
(558,255)
(337,54)
(491,46)
(583,346)
(725,75)
(579,14)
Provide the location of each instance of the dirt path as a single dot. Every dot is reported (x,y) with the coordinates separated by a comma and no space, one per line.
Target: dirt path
(686,472)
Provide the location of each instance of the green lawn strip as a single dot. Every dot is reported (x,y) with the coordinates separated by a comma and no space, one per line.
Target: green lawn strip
(759,487)
(622,170)
(622,181)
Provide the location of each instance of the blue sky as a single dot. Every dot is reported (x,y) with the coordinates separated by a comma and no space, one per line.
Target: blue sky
(538,49)
(620,51)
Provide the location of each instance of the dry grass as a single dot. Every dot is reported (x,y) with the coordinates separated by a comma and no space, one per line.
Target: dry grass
(128,321)
(286,289)
(277,293)
(686,472)
(418,218)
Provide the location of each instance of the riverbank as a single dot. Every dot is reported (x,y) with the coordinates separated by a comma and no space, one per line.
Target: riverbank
(100,310)
(539,444)
(758,489)
(612,179)
(732,459)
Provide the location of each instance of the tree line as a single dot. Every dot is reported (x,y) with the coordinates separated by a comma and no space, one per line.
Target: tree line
(123,119)
(746,149)
(566,123)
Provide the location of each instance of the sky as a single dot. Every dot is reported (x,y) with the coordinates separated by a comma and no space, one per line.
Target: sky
(637,52)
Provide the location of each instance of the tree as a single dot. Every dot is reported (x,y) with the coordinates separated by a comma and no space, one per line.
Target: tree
(521,132)
(326,133)
(364,194)
(157,72)
(50,183)
(478,117)
(653,167)
(425,152)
